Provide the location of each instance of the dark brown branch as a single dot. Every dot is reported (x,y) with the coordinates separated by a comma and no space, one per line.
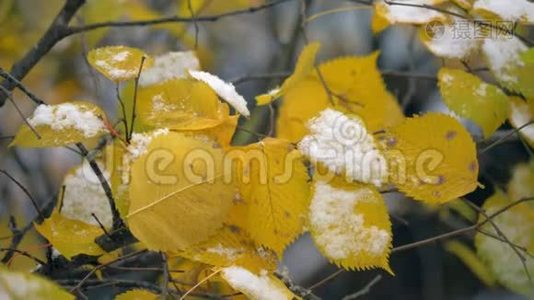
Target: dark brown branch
(57,31)
(173,19)
(20,86)
(117,221)
(23,253)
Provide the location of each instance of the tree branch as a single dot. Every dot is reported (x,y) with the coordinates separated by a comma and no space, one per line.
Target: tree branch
(57,31)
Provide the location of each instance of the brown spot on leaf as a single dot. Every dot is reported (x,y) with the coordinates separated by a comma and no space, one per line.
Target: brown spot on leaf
(451,134)
(473,166)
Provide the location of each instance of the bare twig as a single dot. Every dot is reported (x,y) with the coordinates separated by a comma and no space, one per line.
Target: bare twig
(23,253)
(195,23)
(508,135)
(10,97)
(25,190)
(366,289)
(136,88)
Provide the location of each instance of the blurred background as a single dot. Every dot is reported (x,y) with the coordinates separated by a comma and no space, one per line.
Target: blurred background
(250,50)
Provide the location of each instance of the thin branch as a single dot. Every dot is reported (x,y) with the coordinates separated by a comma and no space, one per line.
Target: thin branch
(20,86)
(173,19)
(366,289)
(123,110)
(136,88)
(25,190)
(100,224)
(117,221)
(10,97)
(24,253)
(93,271)
(190,8)
(508,135)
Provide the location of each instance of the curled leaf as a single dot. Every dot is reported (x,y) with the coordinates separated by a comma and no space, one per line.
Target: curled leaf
(256,287)
(303,68)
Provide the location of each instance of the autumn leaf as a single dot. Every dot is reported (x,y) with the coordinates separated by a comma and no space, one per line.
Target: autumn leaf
(18,285)
(118,63)
(501,259)
(61,124)
(432,158)
(513,10)
(520,185)
(409,14)
(304,66)
(230,246)
(256,287)
(341,144)
(70,237)
(471,98)
(181,104)
(350,225)
(273,182)
(177,194)
(356,86)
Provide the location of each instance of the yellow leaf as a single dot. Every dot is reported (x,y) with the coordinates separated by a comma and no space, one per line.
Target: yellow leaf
(231,246)
(18,285)
(521,113)
(256,287)
(471,260)
(118,63)
(378,23)
(357,87)
(350,224)
(273,182)
(471,98)
(62,124)
(520,11)
(137,295)
(432,158)
(301,103)
(512,63)
(70,237)
(180,104)
(520,186)
(516,224)
(177,194)
(303,68)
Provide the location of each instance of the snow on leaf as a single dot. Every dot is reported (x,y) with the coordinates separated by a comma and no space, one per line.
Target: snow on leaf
(118,63)
(181,104)
(432,158)
(177,194)
(350,224)
(305,65)
(172,65)
(137,294)
(444,42)
(512,63)
(18,285)
(342,144)
(256,287)
(510,10)
(395,13)
(521,113)
(357,87)
(70,237)
(83,195)
(273,182)
(516,224)
(231,246)
(224,90)
(62,124)
(471,98)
